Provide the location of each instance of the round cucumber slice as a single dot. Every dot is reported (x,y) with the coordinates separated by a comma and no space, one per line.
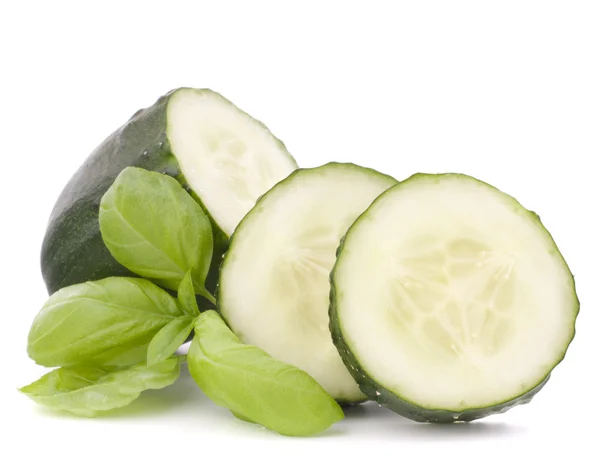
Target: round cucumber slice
(223,156)
(274,283)
(450,301)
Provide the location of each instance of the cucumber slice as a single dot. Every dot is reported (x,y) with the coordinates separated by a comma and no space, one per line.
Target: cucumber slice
(274,282)
(225,157)
(450,301)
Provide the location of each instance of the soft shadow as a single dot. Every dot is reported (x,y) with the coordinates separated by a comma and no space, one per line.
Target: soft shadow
(184,400)
(471,430)
(381,423)
(356,411)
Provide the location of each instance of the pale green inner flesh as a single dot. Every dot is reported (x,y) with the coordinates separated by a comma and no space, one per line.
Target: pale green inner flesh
(274,285)
(452,296)
(457,297)
(301,272)
(228,158)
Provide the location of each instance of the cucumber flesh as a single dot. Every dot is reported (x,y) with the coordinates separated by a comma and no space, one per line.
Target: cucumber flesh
(450,301)
(228,158)
(274,282)
(224,157)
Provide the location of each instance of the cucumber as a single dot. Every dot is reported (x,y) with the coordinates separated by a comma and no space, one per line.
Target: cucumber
(450,301)
(274,282)
(224,157)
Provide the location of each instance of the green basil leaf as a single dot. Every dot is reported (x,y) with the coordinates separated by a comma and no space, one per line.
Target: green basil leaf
(87,390)
(153,227)
(110,321)
(187,296)
(169,338)
(128,353)
(242,417)
(254,386)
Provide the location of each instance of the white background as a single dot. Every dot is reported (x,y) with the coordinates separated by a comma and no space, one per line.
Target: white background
(506,91)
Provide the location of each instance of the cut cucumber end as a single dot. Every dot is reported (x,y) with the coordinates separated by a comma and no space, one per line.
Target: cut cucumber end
(274,282)
(450,301)
(228,158)
(224,157)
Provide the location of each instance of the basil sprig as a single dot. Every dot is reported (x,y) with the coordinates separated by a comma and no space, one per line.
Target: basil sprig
(114,338)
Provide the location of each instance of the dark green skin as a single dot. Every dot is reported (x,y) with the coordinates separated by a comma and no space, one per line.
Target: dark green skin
(400,405)
(73,250)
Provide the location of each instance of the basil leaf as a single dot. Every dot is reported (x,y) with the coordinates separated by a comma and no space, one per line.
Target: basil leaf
(242,417)
(187,296)
(87,390)
(110,321)
(169,338)
(126,354)
(254,386)
(153,227)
